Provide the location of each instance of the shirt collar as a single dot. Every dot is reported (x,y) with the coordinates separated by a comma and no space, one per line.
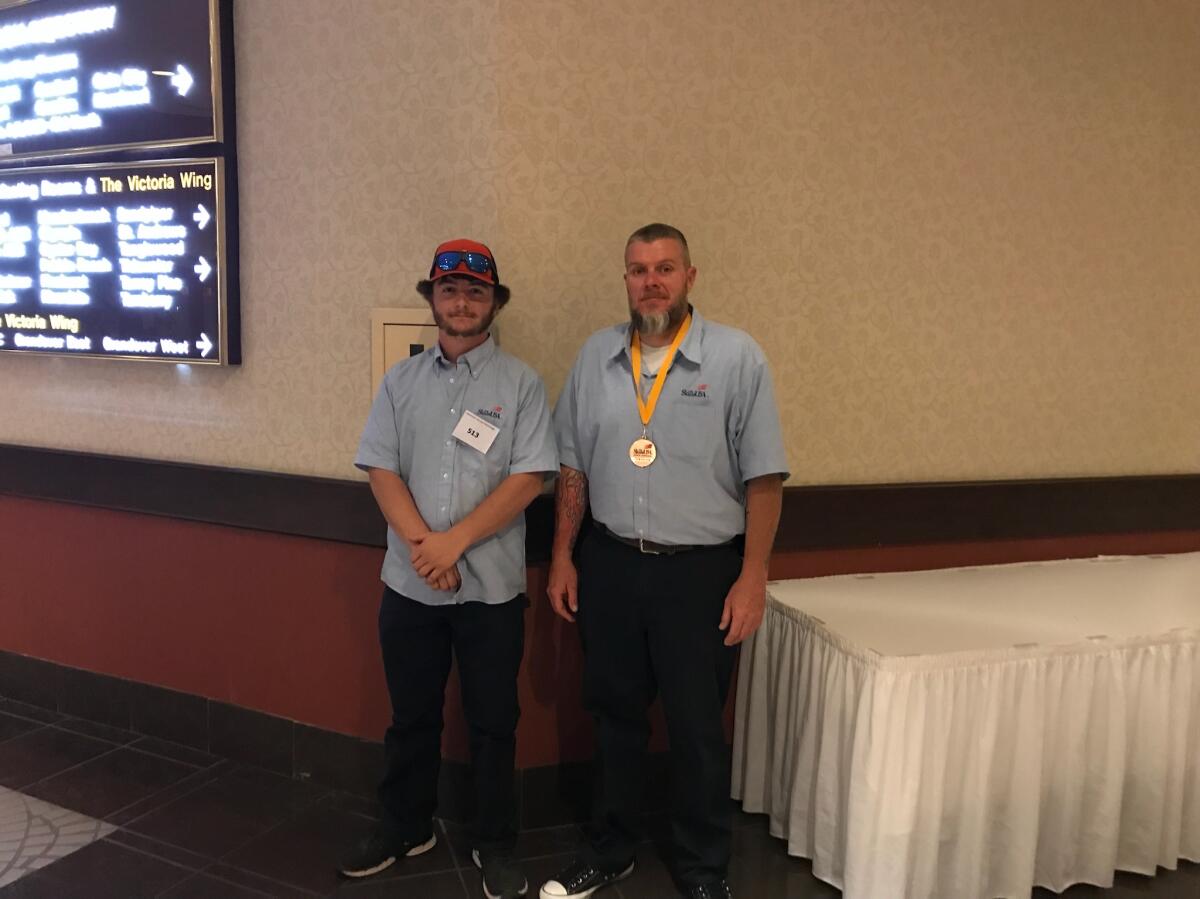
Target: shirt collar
(476,360)
(690,349)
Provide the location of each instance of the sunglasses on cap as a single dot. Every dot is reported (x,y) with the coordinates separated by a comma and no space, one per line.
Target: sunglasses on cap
(451,260)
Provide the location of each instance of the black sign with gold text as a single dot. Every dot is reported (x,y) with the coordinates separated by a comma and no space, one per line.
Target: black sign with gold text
(123,260)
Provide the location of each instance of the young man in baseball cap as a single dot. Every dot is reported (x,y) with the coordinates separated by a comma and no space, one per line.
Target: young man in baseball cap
(458,442)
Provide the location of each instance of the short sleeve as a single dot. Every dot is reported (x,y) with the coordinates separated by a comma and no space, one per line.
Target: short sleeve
(759,437)
(565,430)
(379,445)
(533,446)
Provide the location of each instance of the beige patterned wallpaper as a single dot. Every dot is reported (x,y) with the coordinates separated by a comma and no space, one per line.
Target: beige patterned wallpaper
(965,233)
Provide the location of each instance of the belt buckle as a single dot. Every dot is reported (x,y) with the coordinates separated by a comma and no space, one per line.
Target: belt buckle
(648,552)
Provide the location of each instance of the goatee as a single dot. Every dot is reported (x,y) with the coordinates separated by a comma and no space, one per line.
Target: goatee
(655,324)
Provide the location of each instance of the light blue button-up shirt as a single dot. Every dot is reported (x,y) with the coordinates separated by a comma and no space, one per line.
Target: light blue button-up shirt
(409,433)
(716,426)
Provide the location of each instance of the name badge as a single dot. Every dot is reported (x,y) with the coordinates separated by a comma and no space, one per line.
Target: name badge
(475,432)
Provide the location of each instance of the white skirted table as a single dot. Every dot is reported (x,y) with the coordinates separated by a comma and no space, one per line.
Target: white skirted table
(970,733)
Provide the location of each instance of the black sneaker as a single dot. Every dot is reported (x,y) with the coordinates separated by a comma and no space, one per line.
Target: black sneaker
(377,851)
(718,889)
(502,878)
(580,879)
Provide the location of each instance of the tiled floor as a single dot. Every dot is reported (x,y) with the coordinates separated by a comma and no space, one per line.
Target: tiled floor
(34,833)
(167,821)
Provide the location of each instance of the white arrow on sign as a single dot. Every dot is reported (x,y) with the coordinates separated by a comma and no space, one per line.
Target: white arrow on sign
(182,80)
(204,344)
(201,215)
(202,268)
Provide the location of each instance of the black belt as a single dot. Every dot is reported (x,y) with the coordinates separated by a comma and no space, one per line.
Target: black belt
(650,548)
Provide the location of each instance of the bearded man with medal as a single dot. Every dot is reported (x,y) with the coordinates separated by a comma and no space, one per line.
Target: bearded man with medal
(668,430)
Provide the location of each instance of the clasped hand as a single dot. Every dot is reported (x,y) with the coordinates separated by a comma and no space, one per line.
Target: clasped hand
(435,556)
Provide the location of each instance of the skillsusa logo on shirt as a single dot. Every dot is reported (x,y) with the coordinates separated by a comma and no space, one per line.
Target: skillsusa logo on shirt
(494,413)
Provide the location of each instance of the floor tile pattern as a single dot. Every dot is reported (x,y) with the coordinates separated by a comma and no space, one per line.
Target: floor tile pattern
(168,822)
(34,833)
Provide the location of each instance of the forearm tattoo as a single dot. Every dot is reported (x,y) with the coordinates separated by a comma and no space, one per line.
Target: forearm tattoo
(570,501)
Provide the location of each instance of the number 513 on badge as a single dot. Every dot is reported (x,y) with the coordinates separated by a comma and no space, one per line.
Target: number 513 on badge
(475,432)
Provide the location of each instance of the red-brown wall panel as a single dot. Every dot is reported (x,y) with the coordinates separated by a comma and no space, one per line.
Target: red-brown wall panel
(286,625)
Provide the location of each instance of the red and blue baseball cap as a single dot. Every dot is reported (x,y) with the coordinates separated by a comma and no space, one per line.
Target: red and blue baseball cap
(464,257)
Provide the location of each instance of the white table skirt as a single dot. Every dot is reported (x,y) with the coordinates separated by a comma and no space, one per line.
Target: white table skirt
(970,775)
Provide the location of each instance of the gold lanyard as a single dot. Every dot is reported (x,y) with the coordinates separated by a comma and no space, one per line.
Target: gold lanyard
(646,407)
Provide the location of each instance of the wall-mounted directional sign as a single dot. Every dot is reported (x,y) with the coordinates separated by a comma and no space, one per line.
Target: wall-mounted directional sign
(128,260)
(82,76)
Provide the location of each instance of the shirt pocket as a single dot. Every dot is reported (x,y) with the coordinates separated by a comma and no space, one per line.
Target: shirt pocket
(490,468)
(697,430)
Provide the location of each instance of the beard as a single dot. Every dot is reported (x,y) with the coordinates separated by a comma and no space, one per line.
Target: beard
(655,324)
(481,326)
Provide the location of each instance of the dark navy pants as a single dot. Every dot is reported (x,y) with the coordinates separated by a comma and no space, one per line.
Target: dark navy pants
(649,625)
(417,641)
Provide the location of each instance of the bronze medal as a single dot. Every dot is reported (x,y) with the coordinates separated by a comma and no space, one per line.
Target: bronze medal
(642,452)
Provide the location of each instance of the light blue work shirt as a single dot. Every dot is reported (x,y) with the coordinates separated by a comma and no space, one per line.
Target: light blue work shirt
(409,433)
(715,427)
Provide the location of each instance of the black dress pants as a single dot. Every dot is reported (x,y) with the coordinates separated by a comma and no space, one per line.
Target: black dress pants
(649,623)
(417,639)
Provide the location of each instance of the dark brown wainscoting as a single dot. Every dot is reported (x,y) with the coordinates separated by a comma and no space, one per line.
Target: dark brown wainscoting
(324,508)
(814,518)
(844,517)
